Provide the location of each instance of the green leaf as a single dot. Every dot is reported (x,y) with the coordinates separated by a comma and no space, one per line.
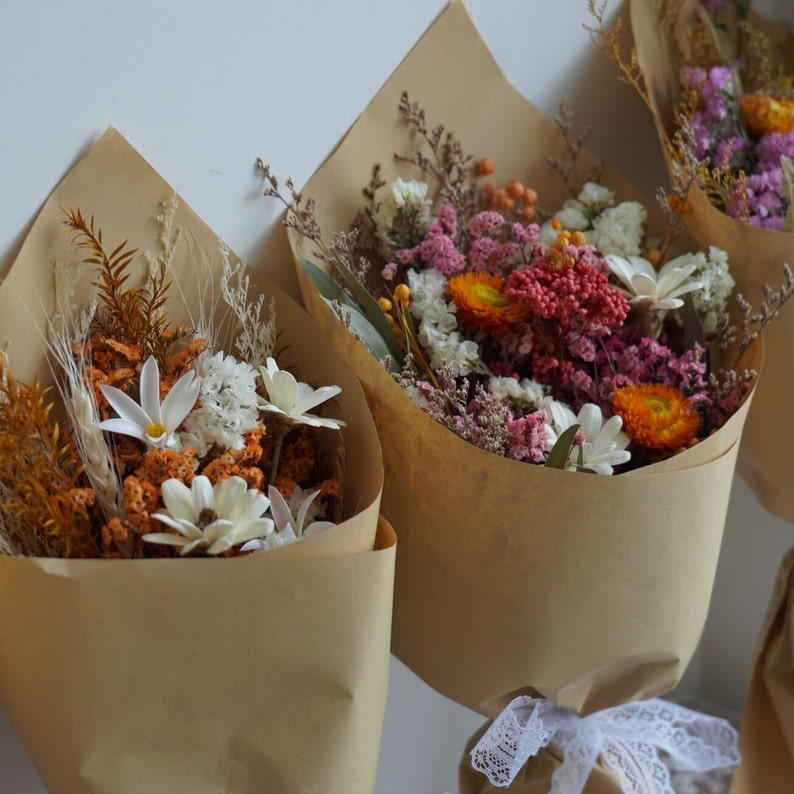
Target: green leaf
(326,286)
(372,310)
(364,330)
(377,321)
(558,457)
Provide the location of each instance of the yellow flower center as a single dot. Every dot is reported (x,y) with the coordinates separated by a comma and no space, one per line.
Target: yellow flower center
(482,303)
(154,430)
(488,294)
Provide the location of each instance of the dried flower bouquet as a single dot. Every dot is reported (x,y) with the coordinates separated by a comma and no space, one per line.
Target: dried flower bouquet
(512,578)
(755,251)
(173,443)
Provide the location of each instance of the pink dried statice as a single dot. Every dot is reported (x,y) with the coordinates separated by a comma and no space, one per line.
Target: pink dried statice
(646,360)
(486,224)
(436,251)
(527,437)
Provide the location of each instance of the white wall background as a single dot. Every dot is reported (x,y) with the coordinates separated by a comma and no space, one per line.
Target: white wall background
(202,88)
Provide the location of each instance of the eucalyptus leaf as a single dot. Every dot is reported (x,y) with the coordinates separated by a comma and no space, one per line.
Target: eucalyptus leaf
(558,457)
(362,328)
(372,310)
(326,286)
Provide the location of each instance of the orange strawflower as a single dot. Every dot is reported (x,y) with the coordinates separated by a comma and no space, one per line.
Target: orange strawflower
(656,416)
(481,302)
(763,114)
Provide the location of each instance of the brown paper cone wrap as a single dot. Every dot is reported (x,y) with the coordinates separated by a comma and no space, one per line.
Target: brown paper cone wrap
(766,740)
(756,258)
(535,777)
(513,578)
(219,676)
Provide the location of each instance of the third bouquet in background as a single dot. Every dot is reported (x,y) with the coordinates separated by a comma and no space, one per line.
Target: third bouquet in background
(717,77)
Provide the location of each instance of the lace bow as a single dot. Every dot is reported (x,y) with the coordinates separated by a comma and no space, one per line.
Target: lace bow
(628,737)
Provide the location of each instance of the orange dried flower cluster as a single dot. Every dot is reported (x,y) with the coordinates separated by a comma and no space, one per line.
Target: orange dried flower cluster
(514,196)
(555,254)
(41,475)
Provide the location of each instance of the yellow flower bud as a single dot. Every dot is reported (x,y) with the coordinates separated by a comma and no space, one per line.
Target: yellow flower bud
(402,294)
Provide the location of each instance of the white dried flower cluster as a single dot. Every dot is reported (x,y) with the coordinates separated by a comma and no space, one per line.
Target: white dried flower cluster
(437,322)
(619,230)
(577,214)
(227,405)
(257,336)
(713,272)
(402,215)
(595,198)
(524,392)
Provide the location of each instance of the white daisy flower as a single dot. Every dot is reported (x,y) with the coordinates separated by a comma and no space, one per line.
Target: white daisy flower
(150,421)
(642,283)
(293,520)
(603,444)
(292,398)
(211,518)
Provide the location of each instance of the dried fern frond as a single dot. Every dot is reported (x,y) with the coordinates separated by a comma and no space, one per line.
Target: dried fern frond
(130,314)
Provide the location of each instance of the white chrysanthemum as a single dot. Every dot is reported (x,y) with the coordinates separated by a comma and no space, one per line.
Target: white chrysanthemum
(426,285)
(437,322)
(660,289)
(151,421)
(293,519)
(596,197)
(461,355)
(227,405)
(527,392)
(618,230)
(210,518)
(717,284)
(292,398)
(403,213)
(602,443)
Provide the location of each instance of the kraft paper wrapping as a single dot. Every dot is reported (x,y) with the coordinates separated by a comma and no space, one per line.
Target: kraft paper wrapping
(766,741)
(214,676)
(756,257)
(513,578)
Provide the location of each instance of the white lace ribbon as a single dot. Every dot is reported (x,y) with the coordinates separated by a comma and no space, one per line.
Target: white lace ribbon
(628,737)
